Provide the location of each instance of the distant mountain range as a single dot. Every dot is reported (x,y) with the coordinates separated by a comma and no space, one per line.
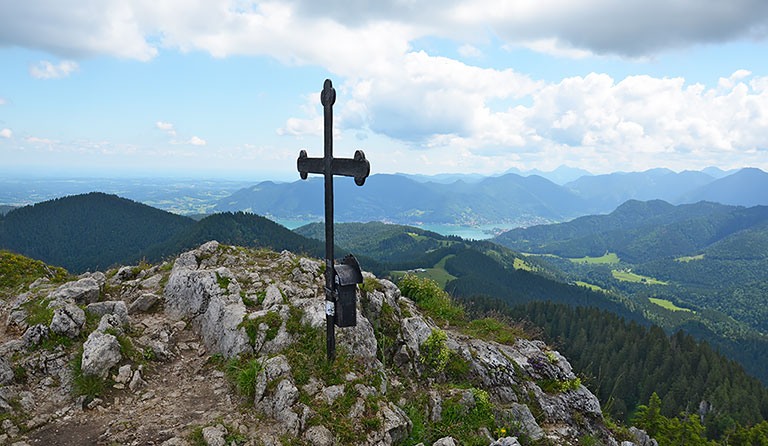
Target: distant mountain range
(398,199)
(561,175)
(508,199)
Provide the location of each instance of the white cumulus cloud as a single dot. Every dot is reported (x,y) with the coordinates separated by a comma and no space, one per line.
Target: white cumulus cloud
(6,133)
(166,126)
(195,141)
(47,70)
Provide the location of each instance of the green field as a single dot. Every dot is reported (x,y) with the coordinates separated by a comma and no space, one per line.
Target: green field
(590,286)
(627,276)
(436,273)
(607,258)
(668,305)
(689,258)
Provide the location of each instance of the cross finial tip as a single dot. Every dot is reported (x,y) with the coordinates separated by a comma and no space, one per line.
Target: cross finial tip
(328,95)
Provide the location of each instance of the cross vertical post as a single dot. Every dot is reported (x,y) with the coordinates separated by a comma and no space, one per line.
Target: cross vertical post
(357,167)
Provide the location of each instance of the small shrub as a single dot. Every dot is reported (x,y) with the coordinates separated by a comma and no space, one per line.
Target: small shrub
(434,353)
(551,357)
(370,284)
(223,282)
(432,299)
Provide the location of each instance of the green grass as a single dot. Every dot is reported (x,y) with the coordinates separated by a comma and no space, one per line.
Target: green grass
(607,258)
(627,276)
(520,264)
(668,305)
(436,273)
(431,298)
(590,286)
(18,271)
(492,329)
(687,259)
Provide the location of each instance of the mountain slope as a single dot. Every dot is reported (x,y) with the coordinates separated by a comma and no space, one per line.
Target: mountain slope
(240,228)
(747,187)
(594,234)
(89,231)
(396,198)
(606,192)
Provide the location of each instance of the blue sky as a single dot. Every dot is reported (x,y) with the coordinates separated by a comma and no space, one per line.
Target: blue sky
(230,88)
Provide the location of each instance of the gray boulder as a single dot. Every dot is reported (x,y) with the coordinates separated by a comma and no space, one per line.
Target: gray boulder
(360,340)
(101,352)
(642,438)
(415,332)
(143,303)
(81,291)
(397,425)
(520,414)
(210,299)
(273,297)
(6,373)
(445,441)
(319,436)
(35,335)
(214,435)
(68,320)
(116,307)
(506,441)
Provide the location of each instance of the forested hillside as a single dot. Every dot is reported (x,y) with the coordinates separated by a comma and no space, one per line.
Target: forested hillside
(90,231)
(240,229)
(624,364)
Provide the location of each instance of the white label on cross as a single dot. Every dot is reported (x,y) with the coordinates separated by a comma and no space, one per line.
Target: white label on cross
(330,308)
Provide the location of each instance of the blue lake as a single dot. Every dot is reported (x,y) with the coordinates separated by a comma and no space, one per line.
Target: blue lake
(466,232)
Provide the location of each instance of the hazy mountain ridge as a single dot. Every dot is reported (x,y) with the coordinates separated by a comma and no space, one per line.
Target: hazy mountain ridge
(509,199)
(394,198)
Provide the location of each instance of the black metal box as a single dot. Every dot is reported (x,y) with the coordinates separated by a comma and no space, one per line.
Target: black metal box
(348,275)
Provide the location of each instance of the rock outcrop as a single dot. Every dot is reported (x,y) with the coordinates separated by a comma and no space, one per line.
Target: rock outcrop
(233,352)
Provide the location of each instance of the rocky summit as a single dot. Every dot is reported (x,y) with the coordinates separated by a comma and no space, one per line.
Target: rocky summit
(226,346)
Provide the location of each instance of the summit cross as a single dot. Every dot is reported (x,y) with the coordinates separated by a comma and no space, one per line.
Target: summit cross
(357,167)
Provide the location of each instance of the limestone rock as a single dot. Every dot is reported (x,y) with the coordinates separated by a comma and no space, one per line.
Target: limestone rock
(360,340)
(330,394)
(415,332)
(6,373)
(110,322)
(124,274)
(642,438)
(519,414)
(143,303)
(273,297)
(116,307)
(397,425)
(68,320)
(81,291)
(445,441)
(211,300)
(506,441)
(124,374)
(319,436)
(101,352)
(214,435)
(35,335)
(137,383)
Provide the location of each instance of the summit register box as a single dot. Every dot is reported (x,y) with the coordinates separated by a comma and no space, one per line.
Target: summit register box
(348,275)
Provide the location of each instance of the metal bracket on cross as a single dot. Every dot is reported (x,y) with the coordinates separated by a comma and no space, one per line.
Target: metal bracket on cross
(328,166)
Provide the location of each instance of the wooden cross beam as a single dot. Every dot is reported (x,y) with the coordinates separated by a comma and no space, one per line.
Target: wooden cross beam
(357,167)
